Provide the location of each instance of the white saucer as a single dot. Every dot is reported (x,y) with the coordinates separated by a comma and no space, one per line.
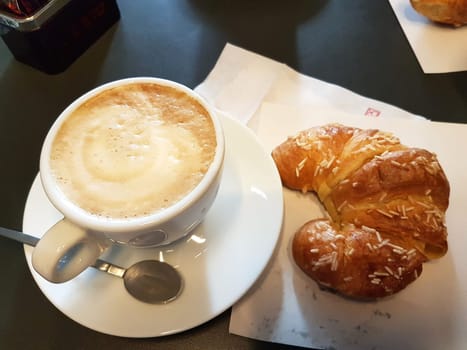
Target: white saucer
(219,262)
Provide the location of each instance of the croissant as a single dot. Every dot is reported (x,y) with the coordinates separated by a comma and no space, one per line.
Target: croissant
(443,11)
(386,204)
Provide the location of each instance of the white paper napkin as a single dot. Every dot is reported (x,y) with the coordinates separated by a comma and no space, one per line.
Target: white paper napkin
(287,307)
(438,48)
(242,80)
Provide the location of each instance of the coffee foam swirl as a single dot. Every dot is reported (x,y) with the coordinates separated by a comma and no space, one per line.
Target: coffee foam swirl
(133,150)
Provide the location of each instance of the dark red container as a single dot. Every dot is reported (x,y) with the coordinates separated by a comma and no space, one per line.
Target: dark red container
(58,33)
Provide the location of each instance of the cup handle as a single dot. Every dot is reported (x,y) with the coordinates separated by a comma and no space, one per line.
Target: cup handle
(65,251)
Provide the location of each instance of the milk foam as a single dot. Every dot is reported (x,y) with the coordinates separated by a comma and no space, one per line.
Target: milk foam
(132,150)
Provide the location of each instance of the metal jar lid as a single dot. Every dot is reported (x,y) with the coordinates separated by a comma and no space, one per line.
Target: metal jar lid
(35,21)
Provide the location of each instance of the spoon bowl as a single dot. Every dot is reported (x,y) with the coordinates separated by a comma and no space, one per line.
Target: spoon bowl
(150,281)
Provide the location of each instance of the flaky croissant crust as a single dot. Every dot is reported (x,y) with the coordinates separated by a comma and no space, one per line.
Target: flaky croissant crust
(386,204)
(443,11)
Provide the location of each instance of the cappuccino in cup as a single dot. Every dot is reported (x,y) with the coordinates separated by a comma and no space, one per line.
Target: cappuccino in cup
(137,161)
(132,150)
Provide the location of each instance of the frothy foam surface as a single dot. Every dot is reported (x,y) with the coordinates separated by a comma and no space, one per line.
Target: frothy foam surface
(132,150)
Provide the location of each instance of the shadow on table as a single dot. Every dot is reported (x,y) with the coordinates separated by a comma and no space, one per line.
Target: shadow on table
(246,24)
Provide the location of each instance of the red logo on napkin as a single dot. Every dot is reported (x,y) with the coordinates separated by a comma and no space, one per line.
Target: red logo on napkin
(371,112)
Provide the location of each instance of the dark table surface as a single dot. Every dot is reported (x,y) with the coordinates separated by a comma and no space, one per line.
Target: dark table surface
(356,44)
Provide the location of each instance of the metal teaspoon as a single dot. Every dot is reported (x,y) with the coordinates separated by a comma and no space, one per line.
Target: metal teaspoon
(150,281)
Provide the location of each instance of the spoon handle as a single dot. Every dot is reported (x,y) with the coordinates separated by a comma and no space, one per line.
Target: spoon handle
(105,266)
(19,236)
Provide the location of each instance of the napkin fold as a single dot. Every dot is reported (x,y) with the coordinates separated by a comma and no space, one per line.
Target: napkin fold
(438,48)
(242,80)
(285,306)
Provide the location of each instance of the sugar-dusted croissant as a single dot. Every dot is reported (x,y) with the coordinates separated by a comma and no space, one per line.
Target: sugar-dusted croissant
(443,11)
(386,203)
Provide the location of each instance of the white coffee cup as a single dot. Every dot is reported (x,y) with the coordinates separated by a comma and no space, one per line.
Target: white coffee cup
(74,243)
